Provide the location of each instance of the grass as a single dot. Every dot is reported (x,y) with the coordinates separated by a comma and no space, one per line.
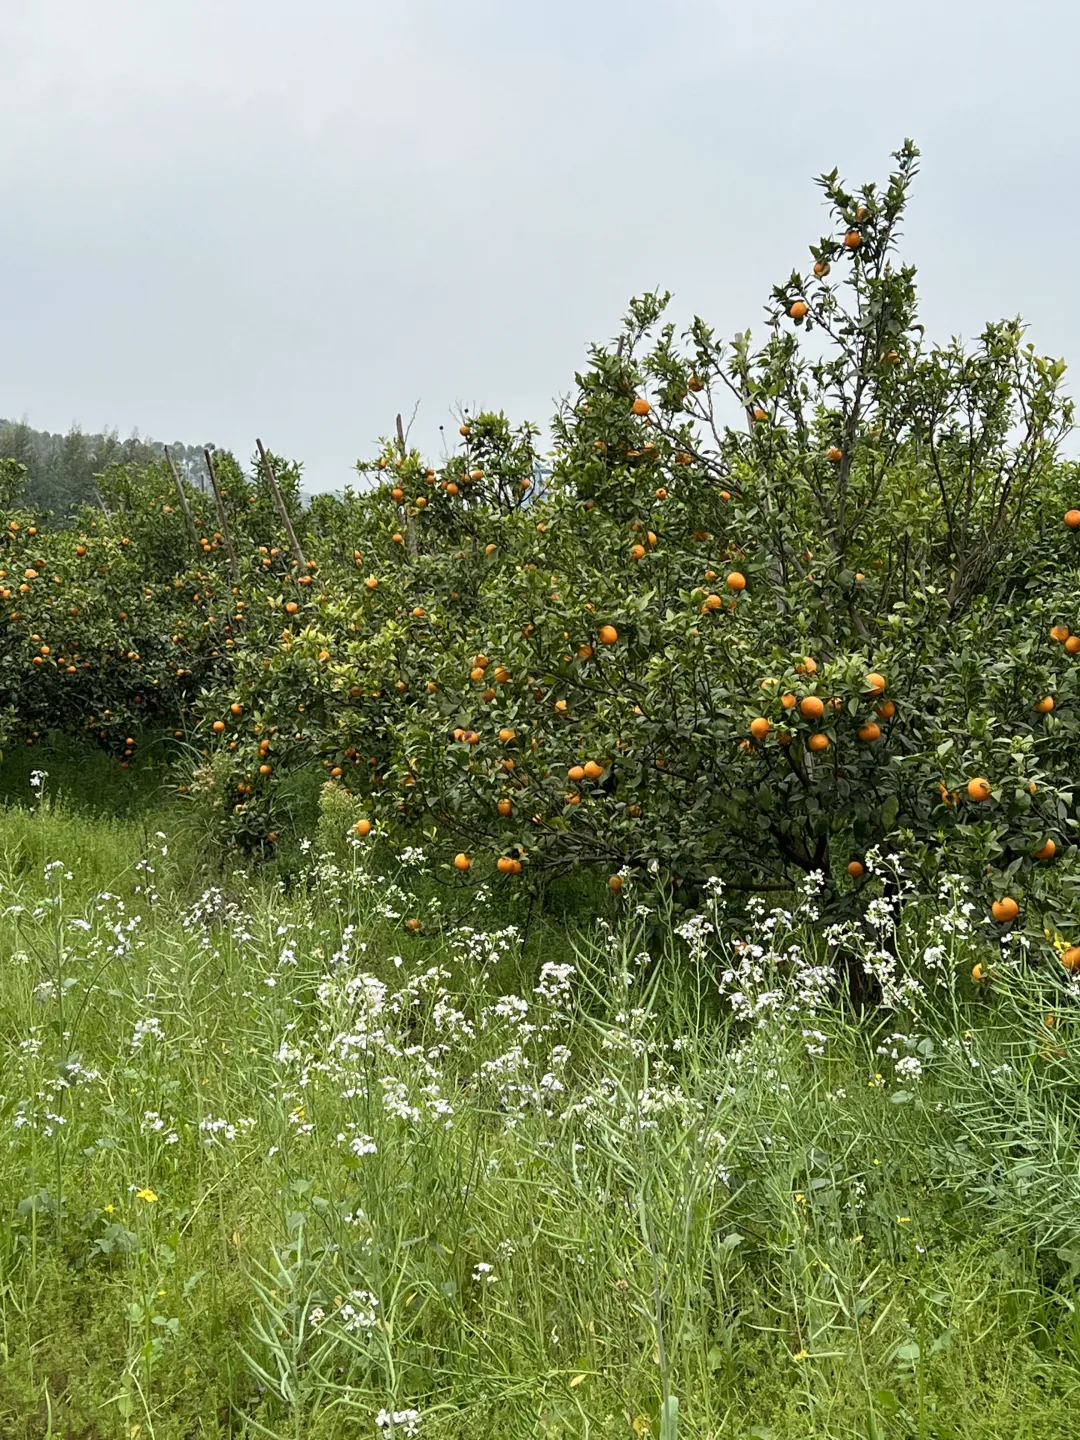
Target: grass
(272,1166)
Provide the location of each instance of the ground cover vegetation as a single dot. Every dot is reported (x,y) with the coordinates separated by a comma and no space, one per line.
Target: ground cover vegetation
(566,944)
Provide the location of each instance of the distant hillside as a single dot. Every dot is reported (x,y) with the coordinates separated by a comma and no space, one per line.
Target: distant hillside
(60,469)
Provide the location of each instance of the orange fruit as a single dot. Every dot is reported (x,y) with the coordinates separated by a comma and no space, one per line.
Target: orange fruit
(1072,519)
(505,807)
(1045,705)
(978,789)
(615,884)
(363,827)
(507,735)
(236,708)
(1070,958)
(759,413)
(637,552)
(1060,633)
(218,726)
(855,869)
(1046,851)
(397,494)
(736,581)
(576,772)
(412,926)
(875,683)
(869,732)
(592,770)
(713,602)
(1005,910)
(821,268)
(797,309)
(661,494)
(760,727)
(818,741)
(607,635)
(1072,644)
(978,974)
(885,711)
(787,701)
(462,862)
(371,582)
(835,454)
(852,240)
(811,707)
(641,406)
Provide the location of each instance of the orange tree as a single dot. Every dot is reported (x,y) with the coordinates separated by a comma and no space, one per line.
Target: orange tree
(112,627)
(774,607)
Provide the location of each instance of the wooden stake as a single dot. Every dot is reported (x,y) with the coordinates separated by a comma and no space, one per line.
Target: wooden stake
(183,499)
(226,533)
(410,528)
(271,478)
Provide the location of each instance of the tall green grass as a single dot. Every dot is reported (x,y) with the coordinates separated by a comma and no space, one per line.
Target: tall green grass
(270,1165)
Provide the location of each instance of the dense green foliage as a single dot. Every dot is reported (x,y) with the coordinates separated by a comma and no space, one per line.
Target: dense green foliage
(59,472)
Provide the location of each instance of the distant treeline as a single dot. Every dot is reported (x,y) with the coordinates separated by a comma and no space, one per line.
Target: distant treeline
(61,469)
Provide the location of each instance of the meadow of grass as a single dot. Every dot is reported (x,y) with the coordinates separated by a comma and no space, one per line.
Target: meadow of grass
(274,1165)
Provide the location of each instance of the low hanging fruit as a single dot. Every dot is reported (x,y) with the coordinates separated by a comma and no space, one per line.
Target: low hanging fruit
(1005,910)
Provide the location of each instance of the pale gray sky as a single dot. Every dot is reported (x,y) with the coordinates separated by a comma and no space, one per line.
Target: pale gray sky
(220,218)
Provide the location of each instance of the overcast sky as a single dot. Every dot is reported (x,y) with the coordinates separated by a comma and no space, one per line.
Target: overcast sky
(293,218)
